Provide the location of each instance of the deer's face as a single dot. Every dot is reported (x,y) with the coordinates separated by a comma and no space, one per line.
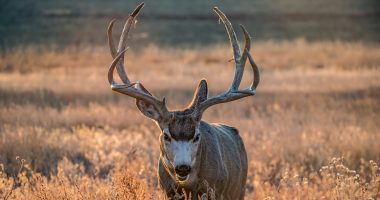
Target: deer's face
(179,142)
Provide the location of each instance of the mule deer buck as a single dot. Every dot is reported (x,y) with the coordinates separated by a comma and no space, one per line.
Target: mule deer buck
(192,150)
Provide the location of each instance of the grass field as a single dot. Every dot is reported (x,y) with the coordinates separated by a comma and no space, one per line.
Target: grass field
(311,132)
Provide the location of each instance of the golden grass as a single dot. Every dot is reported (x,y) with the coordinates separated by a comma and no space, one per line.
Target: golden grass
(311,132)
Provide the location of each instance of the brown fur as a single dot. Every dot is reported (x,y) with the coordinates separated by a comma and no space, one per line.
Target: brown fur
(223,164)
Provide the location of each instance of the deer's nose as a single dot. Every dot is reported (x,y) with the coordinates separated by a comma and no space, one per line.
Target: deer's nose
(183,170)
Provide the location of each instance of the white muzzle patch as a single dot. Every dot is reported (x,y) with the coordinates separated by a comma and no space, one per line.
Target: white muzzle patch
(182,153)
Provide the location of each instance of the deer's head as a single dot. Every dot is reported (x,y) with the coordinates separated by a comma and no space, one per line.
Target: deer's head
(181,136)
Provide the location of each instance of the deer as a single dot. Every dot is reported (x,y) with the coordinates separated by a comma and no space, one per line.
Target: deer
(193,151)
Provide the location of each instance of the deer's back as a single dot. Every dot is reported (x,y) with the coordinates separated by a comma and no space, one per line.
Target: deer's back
(224,161)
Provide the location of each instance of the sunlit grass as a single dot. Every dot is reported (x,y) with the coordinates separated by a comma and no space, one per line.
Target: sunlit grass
(310,132)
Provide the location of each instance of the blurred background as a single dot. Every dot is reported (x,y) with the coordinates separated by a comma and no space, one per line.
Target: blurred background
(312,131)
(186,23)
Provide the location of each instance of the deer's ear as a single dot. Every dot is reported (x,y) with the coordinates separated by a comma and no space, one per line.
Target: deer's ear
(146,108)
(200,95)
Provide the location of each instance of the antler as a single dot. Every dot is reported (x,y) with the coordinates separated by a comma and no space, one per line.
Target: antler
(135,90)
(233,93)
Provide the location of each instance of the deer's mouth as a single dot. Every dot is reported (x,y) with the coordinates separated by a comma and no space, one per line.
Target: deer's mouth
(182,178)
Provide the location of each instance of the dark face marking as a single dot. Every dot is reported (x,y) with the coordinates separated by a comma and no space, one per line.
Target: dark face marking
(182,128)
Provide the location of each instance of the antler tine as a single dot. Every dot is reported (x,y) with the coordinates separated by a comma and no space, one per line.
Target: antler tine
(255,69)
(114,53)
(247,46)
(235,47)
(110,40)
(233,93)
(122,42)
(112,68)
(256,73)
(135,90)
(127,27)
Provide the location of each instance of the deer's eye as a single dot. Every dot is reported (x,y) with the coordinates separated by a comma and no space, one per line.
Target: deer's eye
(196,139)
(166,137)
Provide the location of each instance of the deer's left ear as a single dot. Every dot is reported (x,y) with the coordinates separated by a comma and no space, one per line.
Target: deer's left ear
(200,95)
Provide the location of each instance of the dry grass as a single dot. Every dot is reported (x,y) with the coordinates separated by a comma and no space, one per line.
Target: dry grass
(310,132)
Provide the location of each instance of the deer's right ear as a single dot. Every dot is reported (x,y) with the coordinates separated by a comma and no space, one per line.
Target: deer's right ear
(149,110)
